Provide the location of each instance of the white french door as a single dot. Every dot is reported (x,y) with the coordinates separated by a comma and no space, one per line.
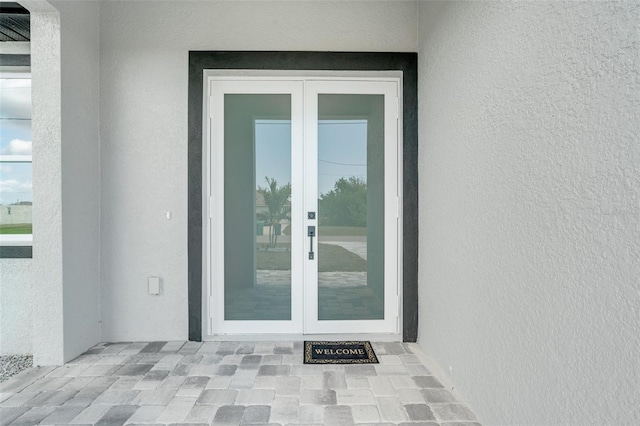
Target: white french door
(304,206)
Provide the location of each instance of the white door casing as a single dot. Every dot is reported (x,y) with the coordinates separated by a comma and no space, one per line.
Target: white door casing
(304,198)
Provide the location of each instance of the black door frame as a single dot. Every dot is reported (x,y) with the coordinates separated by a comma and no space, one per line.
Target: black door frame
(407,63)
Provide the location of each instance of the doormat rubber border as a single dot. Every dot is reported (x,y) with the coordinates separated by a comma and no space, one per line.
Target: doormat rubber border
(363,354)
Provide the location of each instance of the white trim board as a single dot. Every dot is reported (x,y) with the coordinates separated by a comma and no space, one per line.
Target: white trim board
(248,78)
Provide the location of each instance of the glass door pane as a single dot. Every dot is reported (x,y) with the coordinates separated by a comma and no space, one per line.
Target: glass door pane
(351,181)
(350,207)
(303,208)
(257,207)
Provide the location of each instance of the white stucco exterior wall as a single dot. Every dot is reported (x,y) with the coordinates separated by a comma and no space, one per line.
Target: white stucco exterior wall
(64,271)
(144,77)
(530,206)
(80,58)
(47,331)
(16,309)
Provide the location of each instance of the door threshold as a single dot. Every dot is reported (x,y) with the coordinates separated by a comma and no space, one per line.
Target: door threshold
(279,337)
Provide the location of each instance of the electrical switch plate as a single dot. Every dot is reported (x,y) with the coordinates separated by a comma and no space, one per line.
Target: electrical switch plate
(154,286)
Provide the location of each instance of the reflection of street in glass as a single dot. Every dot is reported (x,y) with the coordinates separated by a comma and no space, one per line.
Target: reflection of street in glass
(338,256)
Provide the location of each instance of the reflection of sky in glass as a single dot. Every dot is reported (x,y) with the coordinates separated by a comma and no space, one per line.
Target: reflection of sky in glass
(15,116)
(15,183)
(273,151)
(342,151)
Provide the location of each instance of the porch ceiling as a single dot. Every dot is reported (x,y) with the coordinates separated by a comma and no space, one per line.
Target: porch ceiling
(14,22)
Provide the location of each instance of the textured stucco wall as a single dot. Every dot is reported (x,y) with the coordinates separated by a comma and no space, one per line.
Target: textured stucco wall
(47,329)
(144,66)
(64,272)
(15,306)
(80,159)
(530,207)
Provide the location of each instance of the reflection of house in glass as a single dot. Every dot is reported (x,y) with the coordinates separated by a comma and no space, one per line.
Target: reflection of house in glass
(262,226)
(14,217)
(15,153)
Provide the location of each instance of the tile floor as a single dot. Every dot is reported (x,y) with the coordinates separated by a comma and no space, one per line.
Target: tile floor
(229,383)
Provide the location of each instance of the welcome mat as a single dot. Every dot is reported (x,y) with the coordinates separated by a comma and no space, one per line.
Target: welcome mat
(339,353)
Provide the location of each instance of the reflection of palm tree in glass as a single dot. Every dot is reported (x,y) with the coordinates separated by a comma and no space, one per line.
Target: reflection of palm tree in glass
(276,199)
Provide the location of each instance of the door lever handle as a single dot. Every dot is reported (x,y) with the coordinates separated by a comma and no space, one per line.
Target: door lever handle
(311,232)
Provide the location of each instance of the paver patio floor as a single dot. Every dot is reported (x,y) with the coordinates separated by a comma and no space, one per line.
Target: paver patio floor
(232,383)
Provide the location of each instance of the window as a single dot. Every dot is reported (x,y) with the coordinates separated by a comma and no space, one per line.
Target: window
(16,192)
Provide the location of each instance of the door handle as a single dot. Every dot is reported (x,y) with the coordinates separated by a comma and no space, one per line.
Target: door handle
(311,232)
